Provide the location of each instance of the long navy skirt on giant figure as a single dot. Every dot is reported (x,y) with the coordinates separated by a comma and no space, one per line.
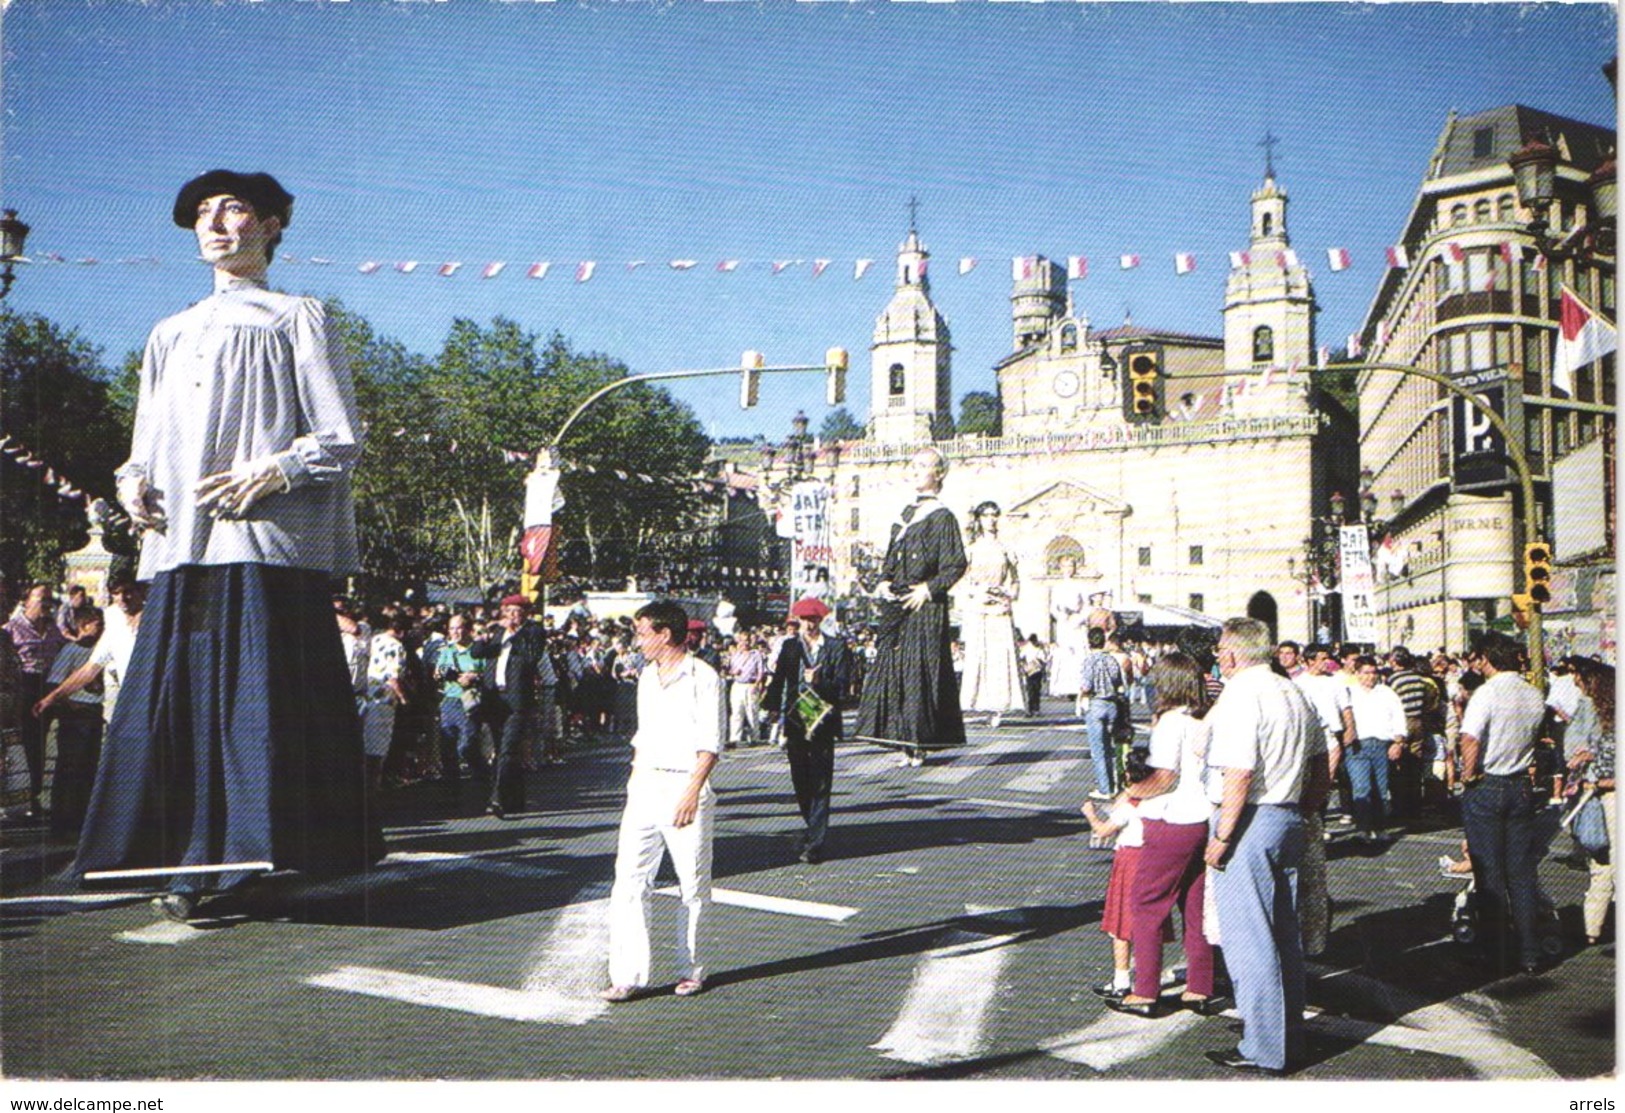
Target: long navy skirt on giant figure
(235,737)
(910,695)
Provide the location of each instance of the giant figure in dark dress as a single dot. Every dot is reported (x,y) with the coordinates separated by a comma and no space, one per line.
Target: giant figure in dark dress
(235,748)
(910,695)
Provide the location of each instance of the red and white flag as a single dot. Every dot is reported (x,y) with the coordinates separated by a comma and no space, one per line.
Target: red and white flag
(1398,257)
(538,270)
(861,267)
(492,270)
(820,266)
(1356,349)
(584,269)
(1184,262)
(1323,356)
(1240,259)
(1077,266)
(1338,258)
(1582,336)
(320,261)
(727,266)
(634,264)
(368,267)
(782,265)
(407,267)
(1457,252)
(684,264)
(448,269)
(1538,263)
(967,264)
(1023,267)
(1288,258)
(1382,334)
(1512,253)
(1128,262)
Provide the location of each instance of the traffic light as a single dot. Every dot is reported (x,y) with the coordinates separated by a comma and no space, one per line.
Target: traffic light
(1537,571)
(1522,608)
(1143,388)
(530,585)
(750,379)
(835,370)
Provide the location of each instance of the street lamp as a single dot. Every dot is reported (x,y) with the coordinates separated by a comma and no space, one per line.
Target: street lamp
(13,235)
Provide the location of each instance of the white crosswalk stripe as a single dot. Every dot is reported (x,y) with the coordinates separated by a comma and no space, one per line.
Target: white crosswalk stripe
(1044,775)
(944,1016)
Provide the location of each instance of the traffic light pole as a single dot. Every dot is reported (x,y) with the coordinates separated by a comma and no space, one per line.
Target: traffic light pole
(1526,483)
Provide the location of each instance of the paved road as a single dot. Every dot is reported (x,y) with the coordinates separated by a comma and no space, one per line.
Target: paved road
(953,934)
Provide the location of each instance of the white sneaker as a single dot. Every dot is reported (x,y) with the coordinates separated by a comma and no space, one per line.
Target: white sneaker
(916,761)
(993,723)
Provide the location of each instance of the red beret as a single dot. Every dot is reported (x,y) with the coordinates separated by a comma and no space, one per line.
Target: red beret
(695,625)
(815,609)
(516,601)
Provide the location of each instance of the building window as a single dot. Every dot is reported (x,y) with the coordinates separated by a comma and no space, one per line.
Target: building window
(1197,601)
(898,383)
(1534,360)
(856,487)
(1268,225)
(1483,142)
(1145,556)
(854,520)
(1506,209)
(1481,211)
(1142,598)
(1458,215)
(1263,344)
(1069,338)
(1196,554)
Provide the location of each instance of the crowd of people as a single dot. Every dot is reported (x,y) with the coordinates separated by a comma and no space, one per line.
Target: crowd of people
(227,716)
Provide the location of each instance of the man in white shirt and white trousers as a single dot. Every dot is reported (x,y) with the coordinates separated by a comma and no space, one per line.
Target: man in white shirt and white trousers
(682,721)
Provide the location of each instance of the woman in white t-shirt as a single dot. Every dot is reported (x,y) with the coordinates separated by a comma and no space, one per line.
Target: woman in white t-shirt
(1174,810)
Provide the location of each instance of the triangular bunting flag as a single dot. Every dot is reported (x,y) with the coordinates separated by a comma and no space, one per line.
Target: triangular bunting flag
(819,266)
(861,268)
(1338,258)
(966,265)
(684,264)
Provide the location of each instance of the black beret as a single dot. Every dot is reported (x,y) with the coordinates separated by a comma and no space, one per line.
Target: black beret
(261,190)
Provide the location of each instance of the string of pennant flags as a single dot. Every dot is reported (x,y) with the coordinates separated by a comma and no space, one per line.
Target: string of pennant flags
(51,476)
(1338,259)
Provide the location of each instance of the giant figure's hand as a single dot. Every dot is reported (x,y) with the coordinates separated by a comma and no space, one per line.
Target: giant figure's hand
(135,496)
(229,494)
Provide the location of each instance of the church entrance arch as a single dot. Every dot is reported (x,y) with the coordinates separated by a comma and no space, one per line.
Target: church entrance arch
(1262,607)
(1064,558)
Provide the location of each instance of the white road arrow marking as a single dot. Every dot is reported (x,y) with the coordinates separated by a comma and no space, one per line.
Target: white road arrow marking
(1115,1039)
(945,1013)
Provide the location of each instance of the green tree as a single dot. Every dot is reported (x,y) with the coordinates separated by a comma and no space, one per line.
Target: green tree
(981,413)
(840,425)
(438,495)
(54,401)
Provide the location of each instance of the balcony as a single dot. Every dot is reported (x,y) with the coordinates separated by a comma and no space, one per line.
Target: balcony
(1475,303)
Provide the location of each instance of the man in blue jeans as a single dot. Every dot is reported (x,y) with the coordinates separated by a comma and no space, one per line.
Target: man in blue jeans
(1101,691)
(1499,730)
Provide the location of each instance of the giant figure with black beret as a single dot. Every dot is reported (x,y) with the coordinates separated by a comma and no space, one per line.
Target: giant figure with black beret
(235,747)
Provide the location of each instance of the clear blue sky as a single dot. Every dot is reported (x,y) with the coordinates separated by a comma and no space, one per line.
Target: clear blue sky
(476,130)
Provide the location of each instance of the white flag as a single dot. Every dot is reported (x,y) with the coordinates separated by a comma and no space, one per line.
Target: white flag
(449,269)
(1128,262)
(861,268)
(684,264)
(634,264)
(1077,266)
(966,265)
(492,270)
(407,267)
(538,270)
(819,266)
(1184,262)
(368,267)
(727,266)
(1582,336)
(584,269)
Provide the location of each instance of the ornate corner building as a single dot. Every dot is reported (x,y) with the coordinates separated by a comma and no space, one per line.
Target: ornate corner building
(1479,304)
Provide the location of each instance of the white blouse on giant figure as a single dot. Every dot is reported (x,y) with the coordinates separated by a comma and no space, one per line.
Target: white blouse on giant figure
(992,679)
(1069,607)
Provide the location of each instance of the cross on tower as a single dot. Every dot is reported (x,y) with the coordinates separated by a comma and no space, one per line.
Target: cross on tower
(1268,143)
(913,209)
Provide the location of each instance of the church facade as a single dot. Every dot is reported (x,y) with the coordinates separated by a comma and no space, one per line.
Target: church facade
(1203,507)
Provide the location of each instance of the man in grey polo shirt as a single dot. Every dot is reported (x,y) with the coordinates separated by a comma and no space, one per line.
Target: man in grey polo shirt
(1498,805)
(1267,768)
